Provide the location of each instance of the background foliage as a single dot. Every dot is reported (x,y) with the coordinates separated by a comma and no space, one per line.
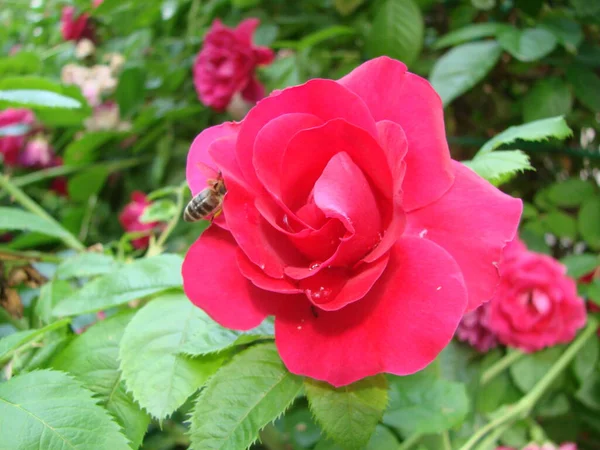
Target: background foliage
(157,371)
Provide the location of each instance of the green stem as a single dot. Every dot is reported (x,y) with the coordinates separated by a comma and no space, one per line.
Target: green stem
(150,137)
(54,172)
(524,406)
(446,441)
(17,255)
(410,442)
(36,209)
(157,247)
(500,366)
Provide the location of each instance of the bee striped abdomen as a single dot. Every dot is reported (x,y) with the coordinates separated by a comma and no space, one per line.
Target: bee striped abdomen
(202,206)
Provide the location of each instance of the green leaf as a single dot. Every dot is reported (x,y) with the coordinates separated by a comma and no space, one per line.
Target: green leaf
(527,45)
(55,105)
(159,211)
(87,183)
(560,224)
(101,374)
(586,7)
(323,35)
(422,403)
(160,378)
(500,166)
(548,97)
(540,130)
(17,219)
(50,294)
(580,265)
(87,264)
(530,369)
(20,64)
(347,7)
(586,86)
(32,98)
(570,193)
(396,31)
(567,31)
(206,336)
(588,221)
(130,91)
(13,342)
(468,33)
(244,396)
(382,439)
(463,67)
(348,414)
(49,410)
(586,359)
(83,150)
(136,280)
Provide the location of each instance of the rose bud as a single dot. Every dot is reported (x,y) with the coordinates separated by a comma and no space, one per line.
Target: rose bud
(226,65)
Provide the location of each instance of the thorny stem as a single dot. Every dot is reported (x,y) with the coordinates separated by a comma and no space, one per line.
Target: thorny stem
(524,406)
(36,209)
(499,366)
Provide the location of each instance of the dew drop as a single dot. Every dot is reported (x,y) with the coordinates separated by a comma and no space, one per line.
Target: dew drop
(423,233)
(262,266)
(321,294)
(495,264)
(299,327)
(314,266)
(439,288)
(286,222)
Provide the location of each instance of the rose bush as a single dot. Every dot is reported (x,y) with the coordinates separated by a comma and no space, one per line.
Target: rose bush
(226,64)
(346,218)
(536,304)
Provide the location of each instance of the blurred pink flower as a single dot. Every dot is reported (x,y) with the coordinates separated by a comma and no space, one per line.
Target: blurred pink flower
(536,304)
(474,329)
(11,145)
(37,153)
(59,184)
(226,64)
(97,3)
(75,28)
(130,219)
(565,446)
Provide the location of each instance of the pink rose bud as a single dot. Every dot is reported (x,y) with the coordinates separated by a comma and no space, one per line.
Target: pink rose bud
(130,219)
(11,145)
(474,329)
(226,64)
(536,304)
(346,218)
(76,28)
(37,153)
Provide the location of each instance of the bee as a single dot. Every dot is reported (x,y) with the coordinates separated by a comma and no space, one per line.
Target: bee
(207,203)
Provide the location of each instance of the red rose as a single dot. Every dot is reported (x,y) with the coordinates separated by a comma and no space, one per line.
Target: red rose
(10,146)
(346,218)
(536,304)
(75,28)
(474,328)
(226,64)
(130,219)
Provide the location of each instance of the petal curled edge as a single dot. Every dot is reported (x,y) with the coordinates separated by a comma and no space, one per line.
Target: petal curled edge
(399,327)
(392,93)
(473,221)
(212,281)
(325,99)
(200,165)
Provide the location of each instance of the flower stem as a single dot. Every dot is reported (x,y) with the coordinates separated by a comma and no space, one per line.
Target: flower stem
(36,209)
(500,366)
(410,442)
(157,247)
(524,406)
(446,441)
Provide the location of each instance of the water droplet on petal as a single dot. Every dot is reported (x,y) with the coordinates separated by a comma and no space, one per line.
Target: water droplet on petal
(314,266)
(286,222)
(438,288)
(299,327)
(423,233)
(262,266)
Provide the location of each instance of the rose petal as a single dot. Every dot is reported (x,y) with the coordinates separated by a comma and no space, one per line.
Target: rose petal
(399,327)
(473,222)
(253,273)
(200,165)
(212,282)
(411,102)
(311,98)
